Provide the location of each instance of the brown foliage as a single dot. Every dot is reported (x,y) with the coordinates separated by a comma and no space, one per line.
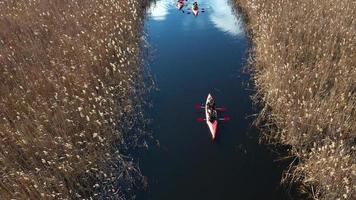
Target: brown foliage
(70,79)
(305,75)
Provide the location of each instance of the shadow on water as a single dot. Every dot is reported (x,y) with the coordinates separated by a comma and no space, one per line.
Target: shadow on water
(193,56)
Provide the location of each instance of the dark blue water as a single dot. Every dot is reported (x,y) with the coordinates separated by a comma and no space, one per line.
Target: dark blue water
(194,56)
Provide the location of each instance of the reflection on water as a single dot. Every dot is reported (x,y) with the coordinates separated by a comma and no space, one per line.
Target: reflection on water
(159,9)
(219,13)
(224,19)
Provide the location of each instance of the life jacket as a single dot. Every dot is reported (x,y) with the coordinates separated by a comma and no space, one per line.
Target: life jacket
(212,115)
(195,7)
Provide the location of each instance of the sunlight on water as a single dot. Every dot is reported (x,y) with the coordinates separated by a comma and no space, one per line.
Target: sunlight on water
(159,10)
(219,13)
(223,17)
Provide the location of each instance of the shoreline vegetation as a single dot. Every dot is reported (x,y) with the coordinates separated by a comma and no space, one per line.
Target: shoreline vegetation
(70,91)
(303,66)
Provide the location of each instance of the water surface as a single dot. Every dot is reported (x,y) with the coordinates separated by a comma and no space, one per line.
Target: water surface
(194,56)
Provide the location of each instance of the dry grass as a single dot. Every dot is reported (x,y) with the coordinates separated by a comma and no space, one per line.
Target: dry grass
(70,87)
(305,73)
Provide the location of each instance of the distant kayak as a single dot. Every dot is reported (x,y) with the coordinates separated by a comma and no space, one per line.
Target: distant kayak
(195,11)
(180,4)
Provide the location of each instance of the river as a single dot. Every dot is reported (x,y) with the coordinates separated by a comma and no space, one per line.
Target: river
(194,56)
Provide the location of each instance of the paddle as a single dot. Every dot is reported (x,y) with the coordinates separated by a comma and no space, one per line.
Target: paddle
(200,106)
(225,119)
(222,109)
(189,10)
(201,119)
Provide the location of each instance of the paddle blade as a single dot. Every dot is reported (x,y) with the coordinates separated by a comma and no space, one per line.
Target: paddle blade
(200,119)
(198,106)
(222,109)
(226,118)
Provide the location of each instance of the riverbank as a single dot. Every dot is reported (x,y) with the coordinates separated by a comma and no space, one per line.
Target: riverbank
(71,82)
(303,67)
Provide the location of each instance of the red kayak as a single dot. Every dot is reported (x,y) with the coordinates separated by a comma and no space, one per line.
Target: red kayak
(211,116)
(180,4)
(195,11)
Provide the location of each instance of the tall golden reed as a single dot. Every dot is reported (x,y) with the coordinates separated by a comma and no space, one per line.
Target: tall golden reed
(304,69)
(70,86)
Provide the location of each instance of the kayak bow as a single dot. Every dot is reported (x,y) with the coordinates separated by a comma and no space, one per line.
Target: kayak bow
(195,11)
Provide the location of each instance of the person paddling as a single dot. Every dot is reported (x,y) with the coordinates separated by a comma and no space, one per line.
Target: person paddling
(180,4)
(195,6)
(212,110)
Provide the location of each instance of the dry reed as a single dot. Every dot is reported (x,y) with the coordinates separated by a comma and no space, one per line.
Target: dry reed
(305,75)
(70,87)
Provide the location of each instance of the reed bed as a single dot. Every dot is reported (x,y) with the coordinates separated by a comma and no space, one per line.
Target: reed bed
(303,65)
(71,89)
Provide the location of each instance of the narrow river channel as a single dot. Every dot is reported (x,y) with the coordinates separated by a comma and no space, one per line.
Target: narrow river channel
(194,56)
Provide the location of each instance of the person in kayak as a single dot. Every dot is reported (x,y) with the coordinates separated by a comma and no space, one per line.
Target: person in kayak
(211,110)
(211,104)
(195,6)
(213,116)
(180,4)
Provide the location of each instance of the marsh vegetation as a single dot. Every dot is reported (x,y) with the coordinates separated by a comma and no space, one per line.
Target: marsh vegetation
(71,88)
(72,85)
(303,65)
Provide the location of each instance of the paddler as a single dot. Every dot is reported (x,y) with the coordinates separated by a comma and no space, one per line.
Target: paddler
(195,6)
(180,4)
(211,110)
